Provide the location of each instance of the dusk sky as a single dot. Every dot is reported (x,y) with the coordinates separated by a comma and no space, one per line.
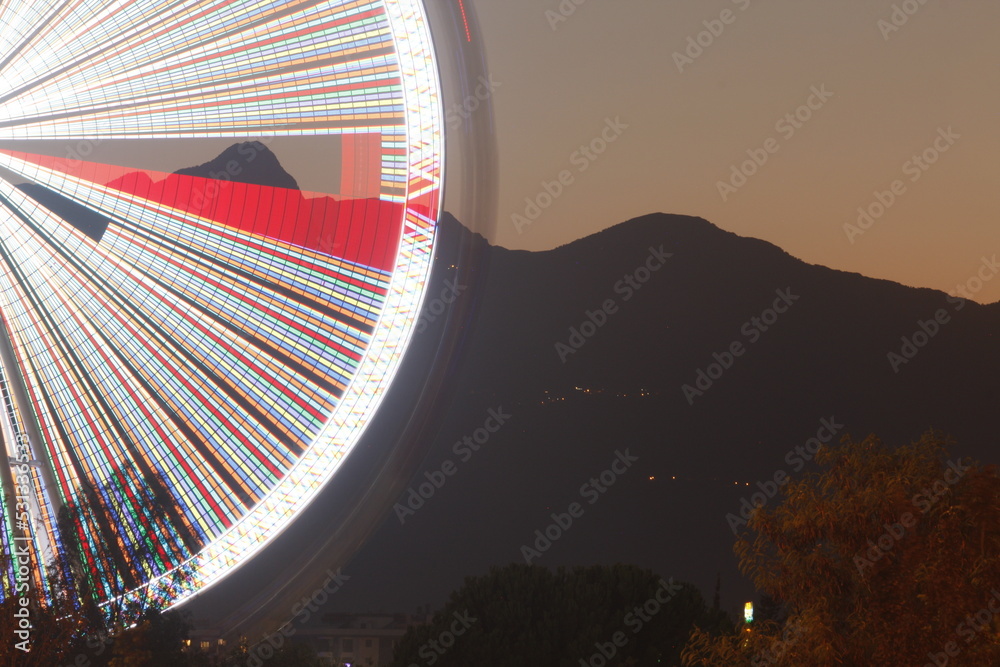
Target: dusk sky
(238,334)
(892,89)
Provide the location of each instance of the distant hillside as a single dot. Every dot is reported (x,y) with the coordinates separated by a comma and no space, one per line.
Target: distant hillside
(710,366)
(825,358)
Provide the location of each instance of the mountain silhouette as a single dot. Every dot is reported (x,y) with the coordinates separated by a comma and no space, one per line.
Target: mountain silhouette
(824,360)
(246,188)
(707,356)
(249,162)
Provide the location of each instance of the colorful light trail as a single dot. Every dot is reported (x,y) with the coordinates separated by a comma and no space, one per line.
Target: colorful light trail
(199,336)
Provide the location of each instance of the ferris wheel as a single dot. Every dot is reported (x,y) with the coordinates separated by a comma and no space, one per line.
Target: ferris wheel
(216,227)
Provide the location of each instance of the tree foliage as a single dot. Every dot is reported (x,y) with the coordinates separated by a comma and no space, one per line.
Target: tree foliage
(157,640)
(84,617)
(887,556)
(52,635)
(124,550)
(528,615)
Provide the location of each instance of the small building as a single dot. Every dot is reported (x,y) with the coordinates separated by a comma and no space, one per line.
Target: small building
(358,640)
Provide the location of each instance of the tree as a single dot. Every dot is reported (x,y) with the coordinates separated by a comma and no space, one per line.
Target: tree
(115,535)
(157,640)
(769,609)
(885,557)
(290,654)
(528,615)
(54,629)
(85,616)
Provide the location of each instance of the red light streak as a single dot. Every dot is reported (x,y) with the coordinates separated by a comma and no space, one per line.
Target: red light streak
(465,21)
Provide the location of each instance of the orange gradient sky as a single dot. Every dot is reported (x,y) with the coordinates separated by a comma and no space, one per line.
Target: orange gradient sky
(892,91)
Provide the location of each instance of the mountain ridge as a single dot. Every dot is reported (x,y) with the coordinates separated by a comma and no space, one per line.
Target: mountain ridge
(703,225)
(249,162)
(825,357)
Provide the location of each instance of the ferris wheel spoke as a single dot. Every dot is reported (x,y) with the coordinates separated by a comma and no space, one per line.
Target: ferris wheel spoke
(217,222)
